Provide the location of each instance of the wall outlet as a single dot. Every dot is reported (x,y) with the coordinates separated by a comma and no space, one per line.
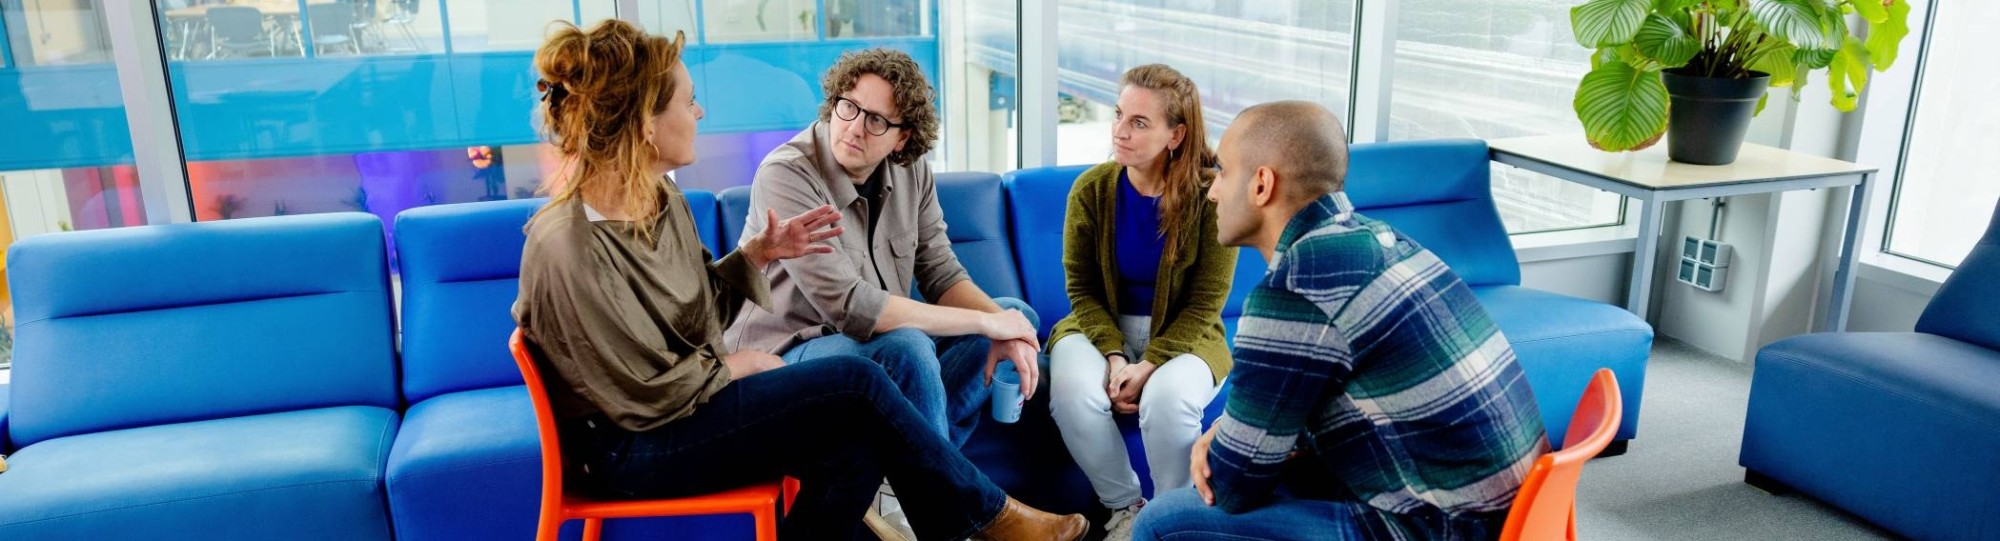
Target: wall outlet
(1704,263)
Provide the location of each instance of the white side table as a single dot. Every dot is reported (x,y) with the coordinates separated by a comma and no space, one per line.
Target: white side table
(1649,177)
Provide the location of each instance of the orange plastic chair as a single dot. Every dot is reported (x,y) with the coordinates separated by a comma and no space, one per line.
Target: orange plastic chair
(1545,508)
(760,501)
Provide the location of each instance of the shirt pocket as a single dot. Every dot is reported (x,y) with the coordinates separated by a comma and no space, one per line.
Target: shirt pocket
(903,249)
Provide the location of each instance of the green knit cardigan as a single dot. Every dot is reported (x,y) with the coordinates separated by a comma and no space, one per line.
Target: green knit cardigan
(1188,293)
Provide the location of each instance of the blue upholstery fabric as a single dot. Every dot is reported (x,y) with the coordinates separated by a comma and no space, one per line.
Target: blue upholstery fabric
(1963,307)
(308,474)
(141,326)
(460,264)
(1898,428)
(975,216)
(1438,193)
(734,205)
(1040,201)
(703,206)
(467,466)
(1556,337)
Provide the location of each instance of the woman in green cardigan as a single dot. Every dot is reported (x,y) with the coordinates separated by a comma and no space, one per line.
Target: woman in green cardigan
(1146,280)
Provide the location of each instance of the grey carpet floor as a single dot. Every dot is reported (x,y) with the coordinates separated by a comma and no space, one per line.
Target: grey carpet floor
(1679,480)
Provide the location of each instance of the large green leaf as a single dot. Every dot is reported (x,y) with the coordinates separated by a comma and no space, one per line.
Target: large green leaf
(1871,10)
(1600,23)
(1666,42)
(1665,6)
(1848,74)
(1886,36)
(1798,22)
(1779,63)
(1622,108)
(1814,58)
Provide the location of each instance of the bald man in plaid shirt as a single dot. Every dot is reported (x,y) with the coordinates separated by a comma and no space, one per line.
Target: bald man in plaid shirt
(1373,397)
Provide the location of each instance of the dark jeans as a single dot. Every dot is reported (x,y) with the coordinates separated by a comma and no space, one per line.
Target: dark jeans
(837,424)
(944,378)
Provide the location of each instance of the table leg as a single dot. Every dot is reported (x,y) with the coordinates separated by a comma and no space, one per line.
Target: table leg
(1843,276)
(1638,297)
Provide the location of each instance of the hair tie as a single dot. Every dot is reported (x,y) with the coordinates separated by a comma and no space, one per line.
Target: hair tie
(551,91)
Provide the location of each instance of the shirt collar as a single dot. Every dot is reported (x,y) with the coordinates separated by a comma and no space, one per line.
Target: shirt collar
(1333,207)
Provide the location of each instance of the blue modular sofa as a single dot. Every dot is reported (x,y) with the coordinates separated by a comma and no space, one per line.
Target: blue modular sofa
(1901,428)
(230,380)
(461,463)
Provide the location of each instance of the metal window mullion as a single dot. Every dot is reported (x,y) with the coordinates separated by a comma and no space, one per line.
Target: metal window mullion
(1372,72)
(157,149)
(1037,67)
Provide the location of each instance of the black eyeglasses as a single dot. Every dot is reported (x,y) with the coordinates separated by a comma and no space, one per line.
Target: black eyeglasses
(877,124)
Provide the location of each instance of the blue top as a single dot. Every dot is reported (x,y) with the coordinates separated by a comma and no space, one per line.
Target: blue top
(1139,243)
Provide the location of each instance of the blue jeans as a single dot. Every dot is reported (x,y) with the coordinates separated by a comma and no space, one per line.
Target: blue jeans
(945,378)
(1180,515)
(837,425)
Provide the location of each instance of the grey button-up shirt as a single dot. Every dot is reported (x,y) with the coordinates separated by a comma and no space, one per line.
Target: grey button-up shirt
(843,292)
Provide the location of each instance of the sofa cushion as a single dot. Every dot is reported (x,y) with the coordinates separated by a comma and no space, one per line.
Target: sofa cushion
(308,474)
(1039,202)
(467,465)
(1560,340)
(1437,192)
(1963,307)
(1898,428)
(460,266)
(174,323)
(975,217)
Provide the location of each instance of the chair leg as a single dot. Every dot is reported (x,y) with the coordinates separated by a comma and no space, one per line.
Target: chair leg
(592,528)
(767,523)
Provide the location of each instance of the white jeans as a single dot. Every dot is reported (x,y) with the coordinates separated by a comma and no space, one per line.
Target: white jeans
(1170,408)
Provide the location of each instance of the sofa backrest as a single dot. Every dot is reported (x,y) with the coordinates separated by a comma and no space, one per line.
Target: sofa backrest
(975,218)
(1039,198)
(461,272)
(461,265)
(1964,308)
(1438,192)
(161,324)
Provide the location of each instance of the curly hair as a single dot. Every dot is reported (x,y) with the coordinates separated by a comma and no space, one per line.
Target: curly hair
(915,101)
(602,86)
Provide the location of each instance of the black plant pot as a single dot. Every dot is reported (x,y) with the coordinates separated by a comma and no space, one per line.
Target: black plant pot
(1708,116)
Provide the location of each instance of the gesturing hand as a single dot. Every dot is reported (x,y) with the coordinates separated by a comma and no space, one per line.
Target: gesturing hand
(795,237)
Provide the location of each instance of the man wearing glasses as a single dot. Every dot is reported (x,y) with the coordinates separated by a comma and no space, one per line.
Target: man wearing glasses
(865,157)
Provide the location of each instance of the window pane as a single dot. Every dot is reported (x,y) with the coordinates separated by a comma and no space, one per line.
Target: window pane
(984,86)
(759,81)
(1492,70)
(517,25)
(1239,54)
(67,161)
(371,115)
(1946,190)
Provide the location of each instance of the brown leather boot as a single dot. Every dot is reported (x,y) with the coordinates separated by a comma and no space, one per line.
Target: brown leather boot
(1018,522)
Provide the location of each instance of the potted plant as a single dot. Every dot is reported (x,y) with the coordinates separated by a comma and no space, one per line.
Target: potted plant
(1698,69)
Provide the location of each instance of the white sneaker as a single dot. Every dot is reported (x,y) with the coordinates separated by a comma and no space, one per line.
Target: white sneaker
(1119,528)
(885,517)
